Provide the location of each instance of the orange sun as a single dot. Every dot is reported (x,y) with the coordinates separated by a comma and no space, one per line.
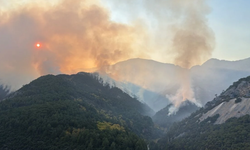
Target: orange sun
(38,45)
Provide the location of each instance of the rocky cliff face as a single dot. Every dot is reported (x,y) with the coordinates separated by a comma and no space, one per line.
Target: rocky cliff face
(234,102)
(233,108)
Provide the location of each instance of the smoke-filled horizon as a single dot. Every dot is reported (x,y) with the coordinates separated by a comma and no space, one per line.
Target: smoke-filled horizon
(74,36)
(79,35)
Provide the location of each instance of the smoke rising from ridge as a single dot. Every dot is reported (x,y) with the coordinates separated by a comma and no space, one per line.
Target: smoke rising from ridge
(179,29)
(193,43)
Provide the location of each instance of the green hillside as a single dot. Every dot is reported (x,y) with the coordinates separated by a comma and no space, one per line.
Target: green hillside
(73,112)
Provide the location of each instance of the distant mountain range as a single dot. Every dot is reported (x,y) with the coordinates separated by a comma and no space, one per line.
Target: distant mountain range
(152,82)
(214,76)
(154,79)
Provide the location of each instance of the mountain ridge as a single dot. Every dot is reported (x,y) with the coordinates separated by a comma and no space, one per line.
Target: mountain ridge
(164,78)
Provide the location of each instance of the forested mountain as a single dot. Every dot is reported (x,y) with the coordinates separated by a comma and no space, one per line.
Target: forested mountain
(73,112)
(164,119)
(223,123)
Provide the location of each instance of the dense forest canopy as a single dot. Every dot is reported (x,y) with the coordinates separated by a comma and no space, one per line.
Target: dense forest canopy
(73,112)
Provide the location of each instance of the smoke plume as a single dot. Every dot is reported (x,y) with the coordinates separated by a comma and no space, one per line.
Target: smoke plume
(74,36)
(193,43)
(82,34)
(179,30)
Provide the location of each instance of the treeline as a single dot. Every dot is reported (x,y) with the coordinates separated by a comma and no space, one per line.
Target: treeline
(4,91)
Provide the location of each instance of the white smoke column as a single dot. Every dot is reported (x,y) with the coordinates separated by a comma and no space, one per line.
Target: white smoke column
(185,92)
(193,43)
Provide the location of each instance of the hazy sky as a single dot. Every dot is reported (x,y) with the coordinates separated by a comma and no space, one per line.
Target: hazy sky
(229,20)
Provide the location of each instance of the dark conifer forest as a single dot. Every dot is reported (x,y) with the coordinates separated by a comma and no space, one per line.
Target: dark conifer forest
(73,112)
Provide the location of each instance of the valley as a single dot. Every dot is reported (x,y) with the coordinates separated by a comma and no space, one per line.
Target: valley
(80,111)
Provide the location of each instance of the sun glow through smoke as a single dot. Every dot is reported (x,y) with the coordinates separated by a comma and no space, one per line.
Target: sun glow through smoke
(81,36)
(38,45)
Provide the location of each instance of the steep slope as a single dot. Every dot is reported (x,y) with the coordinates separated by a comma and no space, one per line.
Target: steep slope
(222,124)
(164,119)
(73,112)
(4,91)
(148,97)
(234,102)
